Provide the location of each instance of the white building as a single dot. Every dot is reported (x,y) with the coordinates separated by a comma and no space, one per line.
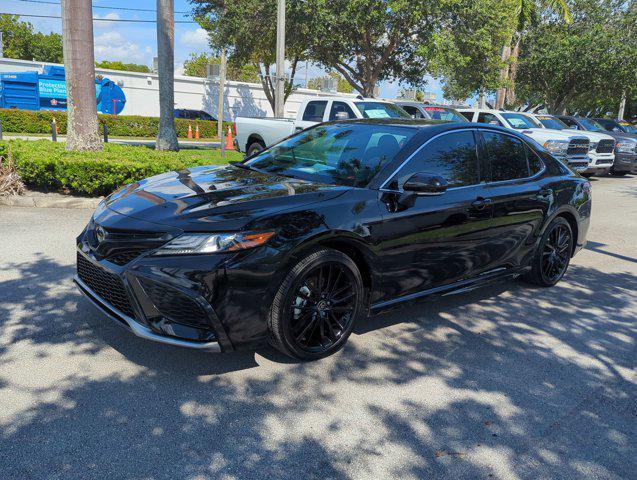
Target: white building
(142,92)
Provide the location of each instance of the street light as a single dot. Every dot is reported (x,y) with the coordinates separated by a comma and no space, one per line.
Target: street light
(279,90)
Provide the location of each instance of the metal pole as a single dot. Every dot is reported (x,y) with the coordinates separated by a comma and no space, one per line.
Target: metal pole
(622,107)
(279,92)
(1,48)
(222,81)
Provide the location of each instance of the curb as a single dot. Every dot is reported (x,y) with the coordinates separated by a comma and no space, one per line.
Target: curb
(44,202)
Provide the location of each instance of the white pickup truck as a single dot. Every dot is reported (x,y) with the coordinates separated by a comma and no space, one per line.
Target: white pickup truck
(570,147)
(255,134)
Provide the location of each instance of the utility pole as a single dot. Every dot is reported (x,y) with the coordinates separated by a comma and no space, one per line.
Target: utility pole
(79,62)
(167,135)
(279,91)
(222,81)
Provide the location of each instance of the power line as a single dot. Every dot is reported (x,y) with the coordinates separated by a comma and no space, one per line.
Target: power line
(127,20)
(45,2)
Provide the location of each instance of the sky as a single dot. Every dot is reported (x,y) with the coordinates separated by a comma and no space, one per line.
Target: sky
(137,42)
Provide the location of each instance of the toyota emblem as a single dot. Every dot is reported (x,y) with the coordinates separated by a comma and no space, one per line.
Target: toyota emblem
(100,234)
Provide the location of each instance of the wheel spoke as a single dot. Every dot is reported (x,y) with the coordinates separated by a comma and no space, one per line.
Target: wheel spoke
(341,300)
(305,330)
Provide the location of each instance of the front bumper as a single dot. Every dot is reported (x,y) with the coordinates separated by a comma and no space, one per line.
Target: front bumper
(136,327)
(599,162)
(626,162)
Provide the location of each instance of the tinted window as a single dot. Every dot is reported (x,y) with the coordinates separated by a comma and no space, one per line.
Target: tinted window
(591,125)
(488,118)
(414,111)
(535,162)
(452,156)
(468,115)
(507,156)
(341,154)
(341,111)
(314,111)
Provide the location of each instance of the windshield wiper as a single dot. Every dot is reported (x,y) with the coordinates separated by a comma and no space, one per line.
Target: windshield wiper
(244,166)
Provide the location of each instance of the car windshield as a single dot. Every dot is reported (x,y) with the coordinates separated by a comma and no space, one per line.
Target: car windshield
(627,127)
(591,125)
(519,121)
(552,122)
(442,113)
(381,110)
(340,154)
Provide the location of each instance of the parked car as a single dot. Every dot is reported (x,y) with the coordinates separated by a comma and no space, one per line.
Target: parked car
(302,241)
(601,152)
(570,148)
(254,134)
(625,146)
(619,126)
(433,112)
(193,114)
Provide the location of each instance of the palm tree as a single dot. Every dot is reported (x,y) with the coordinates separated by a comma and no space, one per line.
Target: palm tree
(166,136)
(527,11)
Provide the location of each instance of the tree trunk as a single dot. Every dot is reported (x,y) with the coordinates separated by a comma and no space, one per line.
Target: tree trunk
(504,75)
(515,54)
(77,30)
(166,136)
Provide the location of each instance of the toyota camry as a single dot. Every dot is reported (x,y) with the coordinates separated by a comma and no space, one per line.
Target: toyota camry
(301,241)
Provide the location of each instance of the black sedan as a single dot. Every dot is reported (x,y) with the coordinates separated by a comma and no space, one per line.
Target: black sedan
(346,219)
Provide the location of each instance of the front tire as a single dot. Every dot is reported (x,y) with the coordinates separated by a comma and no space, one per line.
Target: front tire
(316,306)
(254,148)
(616,173)
(553,254)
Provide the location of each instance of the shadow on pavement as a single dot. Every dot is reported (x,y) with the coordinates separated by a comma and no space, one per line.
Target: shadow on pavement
(508,381)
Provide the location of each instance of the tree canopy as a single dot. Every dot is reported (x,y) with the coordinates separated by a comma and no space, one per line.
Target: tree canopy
(585,65)
(21,41)
(343,85)
(195,66)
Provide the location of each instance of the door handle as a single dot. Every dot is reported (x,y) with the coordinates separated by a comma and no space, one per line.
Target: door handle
(481,203)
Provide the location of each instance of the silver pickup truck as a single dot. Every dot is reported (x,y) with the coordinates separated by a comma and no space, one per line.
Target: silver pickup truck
(255,134)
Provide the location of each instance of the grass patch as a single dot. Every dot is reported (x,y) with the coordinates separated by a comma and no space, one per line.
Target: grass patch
(44,165)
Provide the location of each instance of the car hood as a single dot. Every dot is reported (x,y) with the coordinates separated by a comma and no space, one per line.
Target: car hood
(222,198)
(592,136)
(551,134)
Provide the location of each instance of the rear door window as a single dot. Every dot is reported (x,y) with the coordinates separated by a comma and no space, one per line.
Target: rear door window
(453,156)
(489,118)
(341,111)
(413,111)
(507,156)
(314,111)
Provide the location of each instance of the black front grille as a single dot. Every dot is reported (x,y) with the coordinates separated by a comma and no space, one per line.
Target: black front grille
(174,305)
(108,286)
(605,146)
(578,147)
(122,258)
(122,246)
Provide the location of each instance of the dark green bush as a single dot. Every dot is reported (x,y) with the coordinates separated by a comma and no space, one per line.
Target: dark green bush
(44,165)
(39,122)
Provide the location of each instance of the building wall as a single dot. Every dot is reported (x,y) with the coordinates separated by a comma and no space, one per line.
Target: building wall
(142,93)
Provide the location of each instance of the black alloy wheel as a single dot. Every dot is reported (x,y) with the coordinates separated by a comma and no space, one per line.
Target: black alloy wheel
(317,305)
(554,254)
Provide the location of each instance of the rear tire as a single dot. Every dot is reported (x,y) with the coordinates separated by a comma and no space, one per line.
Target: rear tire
(587,175)
(553,255)
(255,147)
(315,309)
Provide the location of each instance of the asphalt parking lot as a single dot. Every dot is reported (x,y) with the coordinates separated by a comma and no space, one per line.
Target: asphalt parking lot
(508,381)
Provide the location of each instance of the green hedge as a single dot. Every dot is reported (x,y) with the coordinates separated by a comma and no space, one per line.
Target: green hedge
(39,121)
(45,165)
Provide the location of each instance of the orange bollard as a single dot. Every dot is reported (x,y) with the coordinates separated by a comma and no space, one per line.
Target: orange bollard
(229,145)
(197,132)
(189,131)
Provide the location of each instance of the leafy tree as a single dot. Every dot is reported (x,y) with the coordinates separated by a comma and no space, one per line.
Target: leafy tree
(468,45)
(369,41)
(247,29)
(342,85)
(195,66)
(585,65)
(22,42)
(128,67)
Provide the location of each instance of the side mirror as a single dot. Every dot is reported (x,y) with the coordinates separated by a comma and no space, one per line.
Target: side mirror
(422,183)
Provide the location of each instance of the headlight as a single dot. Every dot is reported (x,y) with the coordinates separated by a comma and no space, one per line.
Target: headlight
(625,146)
(556,147)
(197,243)
(593,146)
